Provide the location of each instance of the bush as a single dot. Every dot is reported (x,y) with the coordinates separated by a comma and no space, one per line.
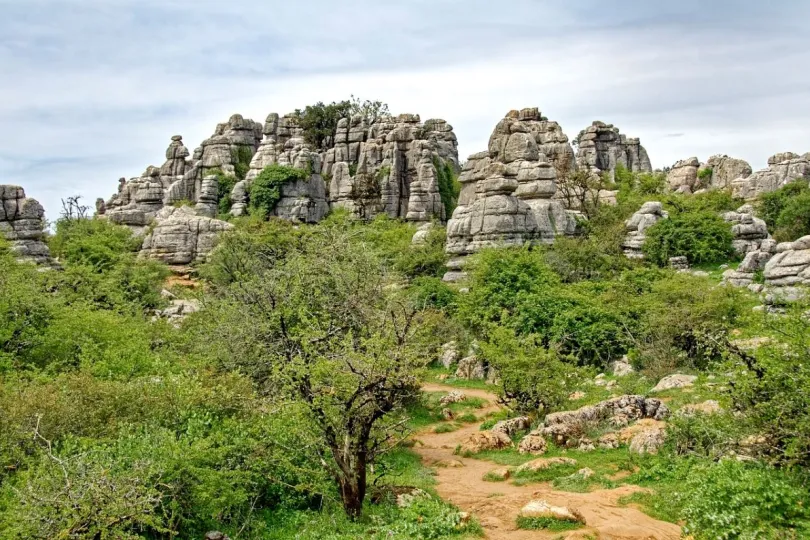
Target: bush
(785,210)
(449,186)
(431,292)
(92,242)
(428,259)
(701,237)
(265,190)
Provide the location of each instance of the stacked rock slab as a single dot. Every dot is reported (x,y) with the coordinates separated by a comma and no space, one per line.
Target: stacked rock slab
(22,225)
(725,170)
(649,214)
(783,169)
(602,147)
(182,237)
(385,167)
(790,267)
(507,194)
(752,242)
(683,177)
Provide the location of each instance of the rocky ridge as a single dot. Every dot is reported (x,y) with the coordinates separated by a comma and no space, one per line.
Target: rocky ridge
(783,168)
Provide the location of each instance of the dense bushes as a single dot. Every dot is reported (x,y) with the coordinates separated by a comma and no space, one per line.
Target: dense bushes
(787,211)
(265,190)
(449,186)
(701,237)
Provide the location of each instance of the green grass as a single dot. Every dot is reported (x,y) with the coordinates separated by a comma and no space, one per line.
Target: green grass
(546,524)
(656,504)
(435,372)
(489,477)
(428,411)
(447,428)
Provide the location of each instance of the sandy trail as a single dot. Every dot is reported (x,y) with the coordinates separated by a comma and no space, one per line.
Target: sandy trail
(496,504)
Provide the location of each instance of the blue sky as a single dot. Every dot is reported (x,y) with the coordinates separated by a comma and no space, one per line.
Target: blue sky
(94,89)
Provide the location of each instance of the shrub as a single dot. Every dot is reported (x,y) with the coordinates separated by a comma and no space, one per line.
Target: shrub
(428,259)
(449,186)
(92,242)
(701,237)
(705,173)
(265,190)
(577,259)
(319,122)
(431,292)
(790,200)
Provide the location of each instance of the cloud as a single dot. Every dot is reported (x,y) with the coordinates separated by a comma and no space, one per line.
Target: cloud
(99,86)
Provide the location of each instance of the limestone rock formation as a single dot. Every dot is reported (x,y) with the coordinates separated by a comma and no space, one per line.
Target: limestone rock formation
(22,224)
(683,177)
(649,214)
(790,266)
(181,237)
(507,194)
(726,169)
(602,147)
(752,242)
(674,381)
(783,168)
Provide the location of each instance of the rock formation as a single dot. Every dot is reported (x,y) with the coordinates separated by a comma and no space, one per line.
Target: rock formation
(791,264)
(782,169)
(683,177)
(602,147)
(752,242)
(649,214)
(725,170)
(22,224)
(507,194)
(180,236)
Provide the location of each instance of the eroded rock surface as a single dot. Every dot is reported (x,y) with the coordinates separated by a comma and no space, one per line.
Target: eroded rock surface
(790,267)
(22,223)
(783,168)
(683,177)
(181,237)
(602,147)
(648,215)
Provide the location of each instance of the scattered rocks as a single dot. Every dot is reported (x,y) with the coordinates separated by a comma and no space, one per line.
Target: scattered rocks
(216,535)
(576,396)
(22,223)
(674,381)
(585,473)
(512,426)
(485,440)
(608,441)
(178,310)
(471,368)
(542,509)
(649,214)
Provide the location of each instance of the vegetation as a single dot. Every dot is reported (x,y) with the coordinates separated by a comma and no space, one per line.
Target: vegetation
(787,211)
(320,121)
(449,186)
(701,237)
(265,190)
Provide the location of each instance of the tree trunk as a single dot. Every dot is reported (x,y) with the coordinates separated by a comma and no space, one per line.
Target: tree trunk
(353,488)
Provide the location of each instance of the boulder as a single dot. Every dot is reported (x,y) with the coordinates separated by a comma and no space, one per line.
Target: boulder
(683,176)
(533,443)
(679,263)
(449,355)
(542,509)
(455,396)
(621,368)
(648,441)
(471,368)
(542,464)
(674,381)
(499,474)
(485,440)
(707,407)
(790,266)
(512,426)
(726,169)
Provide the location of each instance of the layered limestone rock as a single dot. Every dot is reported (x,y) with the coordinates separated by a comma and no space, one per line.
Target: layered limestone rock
(649,214)
(22,224)
(602,147)
(683,177)
(790,266)
(727,169)
(387,167)
(782,169)
(749,231)
(181,237)
(507,194)
(137,201)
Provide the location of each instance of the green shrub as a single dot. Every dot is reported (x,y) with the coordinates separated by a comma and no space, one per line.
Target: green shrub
(785,210)
(547,524)
(427,259)
(265,190)
(701,237)
(735,500)
(431,292)
(241,157)
(449,186)
(590,258)
(705,173)
(92,242)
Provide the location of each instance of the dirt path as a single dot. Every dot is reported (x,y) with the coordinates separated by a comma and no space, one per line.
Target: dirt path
(496,504)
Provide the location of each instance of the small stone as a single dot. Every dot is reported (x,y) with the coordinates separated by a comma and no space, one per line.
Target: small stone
(545,463)
(533,444)
(447,414)
(576,396)
(675,381)
(586,473)
(453,397)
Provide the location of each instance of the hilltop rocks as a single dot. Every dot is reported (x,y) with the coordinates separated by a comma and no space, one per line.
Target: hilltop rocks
(181,237)
(791,264)
(22,224)
(783,168)
(507,192)
(683,177)
(602,147)
(649,214)
(726,169)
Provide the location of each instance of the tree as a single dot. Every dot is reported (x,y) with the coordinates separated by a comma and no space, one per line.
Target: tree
(320,326)
(320,121)
(73,209)
(371,111)
(580,188)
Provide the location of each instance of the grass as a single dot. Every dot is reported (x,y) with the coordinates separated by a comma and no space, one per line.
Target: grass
(434,373)
(447,428)
(489,477)
(656,504)
(546,524)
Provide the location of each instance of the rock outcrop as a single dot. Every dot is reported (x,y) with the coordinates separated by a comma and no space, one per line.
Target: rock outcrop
(782,169)
(649,214)
(602,147)
(683,177)
(752,242)
(22,224)
(725,170)
(790,266)
(180,236)
(507,194)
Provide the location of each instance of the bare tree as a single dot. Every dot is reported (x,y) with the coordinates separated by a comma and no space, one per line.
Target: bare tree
(73,210)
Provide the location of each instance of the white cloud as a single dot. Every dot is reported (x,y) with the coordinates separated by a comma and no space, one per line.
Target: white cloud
(98,87)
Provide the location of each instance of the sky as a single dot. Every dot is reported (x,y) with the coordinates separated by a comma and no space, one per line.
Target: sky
(93,90)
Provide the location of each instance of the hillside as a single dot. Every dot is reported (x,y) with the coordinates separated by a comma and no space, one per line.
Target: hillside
(328,326)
